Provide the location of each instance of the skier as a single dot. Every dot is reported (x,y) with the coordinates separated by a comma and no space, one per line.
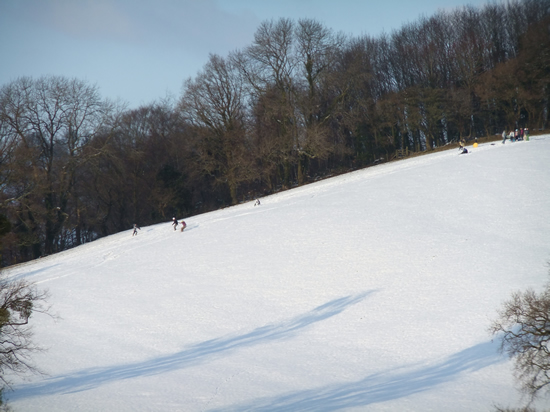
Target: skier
(462,149)
(174,223)
(257,202)
(504,136)
(183,225)
(136,227)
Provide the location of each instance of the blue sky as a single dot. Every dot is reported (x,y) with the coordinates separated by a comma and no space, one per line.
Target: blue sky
(142,50)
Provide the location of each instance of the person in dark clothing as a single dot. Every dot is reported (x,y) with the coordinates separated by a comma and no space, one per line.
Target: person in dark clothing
(136,227)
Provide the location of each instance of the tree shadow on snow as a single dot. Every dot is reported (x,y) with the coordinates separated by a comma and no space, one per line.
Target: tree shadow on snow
(193,355)
(380,387)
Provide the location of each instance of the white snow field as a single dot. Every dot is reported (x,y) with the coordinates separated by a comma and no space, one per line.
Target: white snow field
(370,291)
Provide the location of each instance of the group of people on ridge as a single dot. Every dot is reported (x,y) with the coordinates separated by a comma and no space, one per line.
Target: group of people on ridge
(516,135)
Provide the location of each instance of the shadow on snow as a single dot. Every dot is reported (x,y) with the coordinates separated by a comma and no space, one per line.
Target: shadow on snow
(378,387)
(193,355)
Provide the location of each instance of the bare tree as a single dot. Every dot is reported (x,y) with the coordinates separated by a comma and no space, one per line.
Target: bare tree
(270,70)
(53,119)
(214,105)
(523,327)
(19,300)
(317,51)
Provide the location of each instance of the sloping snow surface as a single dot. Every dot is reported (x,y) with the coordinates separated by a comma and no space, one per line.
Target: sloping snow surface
(370,291)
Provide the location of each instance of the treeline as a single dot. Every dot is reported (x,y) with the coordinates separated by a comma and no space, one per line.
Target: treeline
(300,103)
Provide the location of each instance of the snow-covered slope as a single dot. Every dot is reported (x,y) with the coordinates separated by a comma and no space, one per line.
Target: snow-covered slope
(370,291)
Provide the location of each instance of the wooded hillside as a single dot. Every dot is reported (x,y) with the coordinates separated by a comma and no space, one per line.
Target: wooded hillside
(298,104)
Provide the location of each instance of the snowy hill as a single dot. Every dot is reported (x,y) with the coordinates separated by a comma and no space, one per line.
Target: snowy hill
(371,291)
